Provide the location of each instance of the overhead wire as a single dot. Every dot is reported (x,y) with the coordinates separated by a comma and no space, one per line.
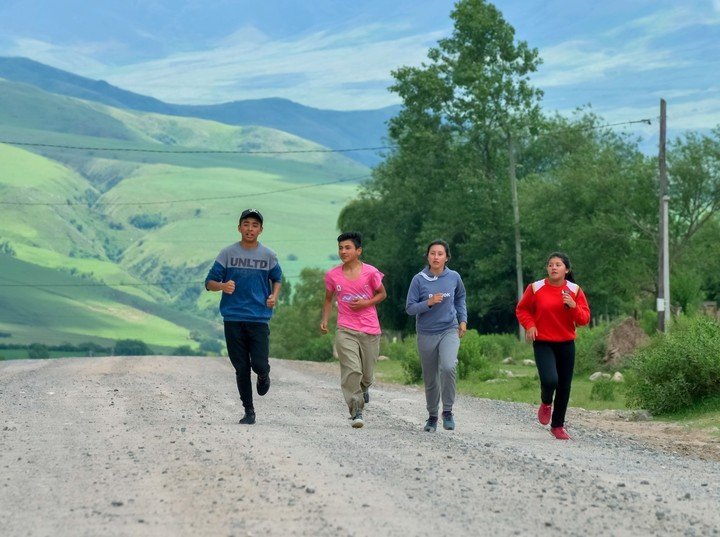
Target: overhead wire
(140,284)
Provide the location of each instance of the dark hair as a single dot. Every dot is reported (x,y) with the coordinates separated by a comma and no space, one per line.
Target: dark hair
(566,261)
(353,236)
(438,242)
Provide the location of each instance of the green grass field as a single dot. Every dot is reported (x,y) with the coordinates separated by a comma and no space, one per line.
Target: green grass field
(520,389)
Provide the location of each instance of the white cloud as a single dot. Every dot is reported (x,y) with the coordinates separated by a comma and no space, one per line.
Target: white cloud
(343,70)
(664,22)
(77,59)
(576,62)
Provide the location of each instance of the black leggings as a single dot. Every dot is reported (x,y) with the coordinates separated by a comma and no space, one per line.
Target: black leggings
(555,363)
(248,346)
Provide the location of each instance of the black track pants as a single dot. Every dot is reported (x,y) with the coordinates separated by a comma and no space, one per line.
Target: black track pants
(555,363)
(248,346)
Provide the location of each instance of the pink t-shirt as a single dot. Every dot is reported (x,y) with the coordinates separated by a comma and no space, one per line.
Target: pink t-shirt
(370,280)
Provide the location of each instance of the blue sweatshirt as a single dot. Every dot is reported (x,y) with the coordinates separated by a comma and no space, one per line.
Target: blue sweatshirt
(253,271)
(443,316)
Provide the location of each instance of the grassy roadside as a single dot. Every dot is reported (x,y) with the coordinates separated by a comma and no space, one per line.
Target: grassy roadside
(525,389)
(522,388)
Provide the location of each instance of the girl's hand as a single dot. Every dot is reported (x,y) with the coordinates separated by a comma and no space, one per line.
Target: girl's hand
(462,329)
(531,333)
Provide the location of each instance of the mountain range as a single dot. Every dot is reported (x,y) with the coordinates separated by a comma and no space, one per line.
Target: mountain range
(331,128)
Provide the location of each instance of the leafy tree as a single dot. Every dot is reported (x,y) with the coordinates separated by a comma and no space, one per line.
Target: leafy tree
(694,177)
(448,175)
(591,193)
(295,326)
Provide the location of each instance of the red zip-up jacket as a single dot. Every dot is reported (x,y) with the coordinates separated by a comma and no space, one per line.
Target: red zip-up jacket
(542,306)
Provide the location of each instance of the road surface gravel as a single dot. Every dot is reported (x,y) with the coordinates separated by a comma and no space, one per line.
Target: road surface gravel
(151,446)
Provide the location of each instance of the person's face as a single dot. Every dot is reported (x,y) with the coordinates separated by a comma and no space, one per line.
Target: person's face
(347,251)
(556,269)
(437,257)
(250,229)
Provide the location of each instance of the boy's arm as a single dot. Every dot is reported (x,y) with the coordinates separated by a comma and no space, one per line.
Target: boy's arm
(327,306)
(272,299)
(360,303)
(227,287)
(214,280)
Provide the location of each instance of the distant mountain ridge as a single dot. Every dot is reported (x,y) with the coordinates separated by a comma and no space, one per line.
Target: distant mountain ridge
(331,128)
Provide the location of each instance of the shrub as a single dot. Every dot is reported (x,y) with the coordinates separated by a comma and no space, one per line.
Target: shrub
(406,352)
(471,357)
(211,345)
(677,370)
(37,350)
(148,221)
(132,347)
(648,320)
(590,346)
(603,390)
(186,350)
(318,349)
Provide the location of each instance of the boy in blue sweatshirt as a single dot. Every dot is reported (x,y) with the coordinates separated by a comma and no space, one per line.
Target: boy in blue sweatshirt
(249,276)
(437,298)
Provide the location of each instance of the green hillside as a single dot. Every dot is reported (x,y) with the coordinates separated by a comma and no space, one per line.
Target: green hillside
(158,218)
(75,310)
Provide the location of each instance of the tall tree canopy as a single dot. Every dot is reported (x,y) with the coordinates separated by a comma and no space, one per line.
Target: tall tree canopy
(583,188)
(448,175)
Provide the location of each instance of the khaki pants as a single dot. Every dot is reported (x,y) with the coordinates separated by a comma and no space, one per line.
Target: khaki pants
(357,352)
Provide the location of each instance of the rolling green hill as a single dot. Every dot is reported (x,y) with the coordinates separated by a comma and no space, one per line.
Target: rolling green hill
(121,216)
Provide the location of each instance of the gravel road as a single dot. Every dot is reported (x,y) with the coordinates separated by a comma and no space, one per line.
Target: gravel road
(151,446)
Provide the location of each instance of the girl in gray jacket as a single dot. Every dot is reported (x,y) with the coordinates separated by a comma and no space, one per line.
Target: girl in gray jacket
(437,299)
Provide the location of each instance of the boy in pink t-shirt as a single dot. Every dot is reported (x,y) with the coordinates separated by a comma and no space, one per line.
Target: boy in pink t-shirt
(358,288)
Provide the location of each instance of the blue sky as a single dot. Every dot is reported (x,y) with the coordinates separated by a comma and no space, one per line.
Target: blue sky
(619,56)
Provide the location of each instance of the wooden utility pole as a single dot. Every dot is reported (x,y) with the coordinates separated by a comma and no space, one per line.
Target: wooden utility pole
(516,217)
(663,298)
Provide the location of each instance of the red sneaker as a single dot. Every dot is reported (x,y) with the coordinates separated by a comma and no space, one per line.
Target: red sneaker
(544,413)
(560,433)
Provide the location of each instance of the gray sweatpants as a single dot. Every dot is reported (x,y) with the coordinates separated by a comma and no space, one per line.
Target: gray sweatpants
(438,357)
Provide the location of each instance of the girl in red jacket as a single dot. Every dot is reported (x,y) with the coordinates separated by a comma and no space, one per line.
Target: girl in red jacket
(549,310)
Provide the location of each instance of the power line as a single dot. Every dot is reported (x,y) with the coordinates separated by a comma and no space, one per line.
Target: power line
(146,238)
(121,284)
(196,151)
(119,203)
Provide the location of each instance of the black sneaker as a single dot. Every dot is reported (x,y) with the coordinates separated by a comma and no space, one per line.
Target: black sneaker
(448,421)
(431,424)
(248,418)
(263,384)
(366,396)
